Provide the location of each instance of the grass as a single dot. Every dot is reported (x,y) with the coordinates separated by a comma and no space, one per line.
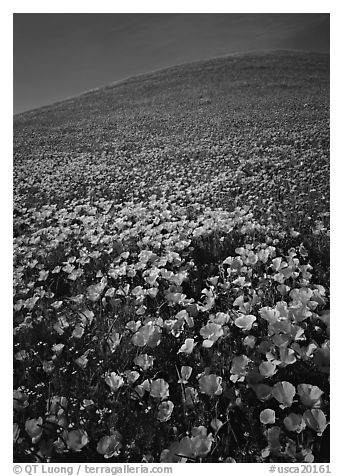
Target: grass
(171,267)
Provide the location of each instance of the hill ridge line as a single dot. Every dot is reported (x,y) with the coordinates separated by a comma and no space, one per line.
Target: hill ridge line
(160,70)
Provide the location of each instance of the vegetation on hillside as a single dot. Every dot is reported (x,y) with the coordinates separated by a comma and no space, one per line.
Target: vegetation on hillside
(171,267)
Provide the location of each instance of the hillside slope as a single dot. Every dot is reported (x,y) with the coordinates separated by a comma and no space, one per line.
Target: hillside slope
(171,267)
(217,118)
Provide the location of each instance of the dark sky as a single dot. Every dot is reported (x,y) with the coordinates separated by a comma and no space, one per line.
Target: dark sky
(61,55)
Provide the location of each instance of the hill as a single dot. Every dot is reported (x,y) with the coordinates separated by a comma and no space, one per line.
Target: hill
(171,267)
(214,117)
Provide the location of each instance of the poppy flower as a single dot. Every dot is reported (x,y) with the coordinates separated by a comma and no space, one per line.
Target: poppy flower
(278,264)
(299,312)
(34,428)
(316,420)
(131,376)
(78,331)
(284,393)
(113,341)
(60,445)
(201,443)
(216,424)
(43,275)
(22,355)
(48,366)
(175,298)
(159,388)
(20,400)
(267,369)
(305,352)
(57,405)
(178,451)
(183,315)
(152,292)
(141,310)
(61,324)
(310,395)
(220,318)
(287,356)
(197,446)
(191,396)
(75,274)
(168,455)
(283,289)
(76,439)
(267,416)
(165,409)
(249,341)
(210,384)
(187,347)
(245,322)
(109,446)
(86,403)
(229,459)
(269,314)
(82,361)
(302,294)
(144,361)
(186,372)
(86,316)
(31,302)
(294,422)
(94,292)
(148,334)
(211,333)
(114,381)
(110,292)
(57,348)
(138,392)
(238,368)
(133,326)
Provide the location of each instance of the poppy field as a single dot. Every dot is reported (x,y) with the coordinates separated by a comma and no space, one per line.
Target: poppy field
(171,267)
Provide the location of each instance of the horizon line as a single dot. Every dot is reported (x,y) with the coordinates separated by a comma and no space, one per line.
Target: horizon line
(147,73)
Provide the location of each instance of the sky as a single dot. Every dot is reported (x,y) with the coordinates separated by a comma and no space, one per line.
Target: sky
(60,55)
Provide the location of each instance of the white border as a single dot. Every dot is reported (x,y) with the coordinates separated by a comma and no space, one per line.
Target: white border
(177,6)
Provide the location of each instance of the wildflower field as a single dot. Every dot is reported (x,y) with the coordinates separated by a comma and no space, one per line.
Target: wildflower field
(171,267)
